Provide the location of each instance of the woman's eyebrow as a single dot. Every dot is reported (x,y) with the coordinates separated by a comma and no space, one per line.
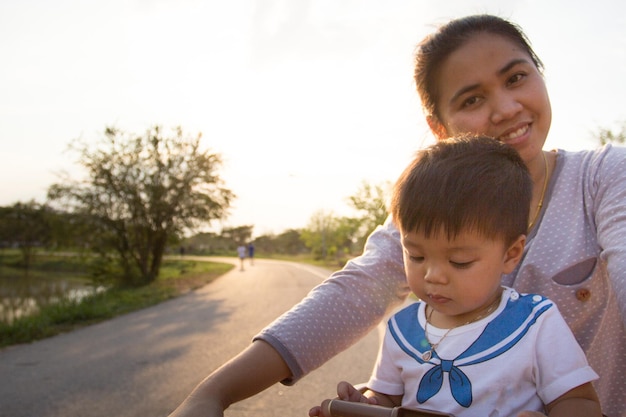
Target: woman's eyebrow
(511,64)
(463,91)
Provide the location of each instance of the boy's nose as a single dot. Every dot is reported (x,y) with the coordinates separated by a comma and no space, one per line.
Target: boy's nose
(434,275)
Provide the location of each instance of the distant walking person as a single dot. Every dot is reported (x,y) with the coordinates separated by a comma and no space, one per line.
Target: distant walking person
(251,253)
(241,251)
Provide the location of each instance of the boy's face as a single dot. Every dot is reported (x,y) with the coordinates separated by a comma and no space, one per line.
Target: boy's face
(458,278)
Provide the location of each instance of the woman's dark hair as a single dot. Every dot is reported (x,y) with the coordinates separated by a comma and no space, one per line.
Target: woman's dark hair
(435,48)
(469,183)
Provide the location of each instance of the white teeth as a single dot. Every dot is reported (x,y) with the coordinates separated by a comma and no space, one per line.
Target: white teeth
(515,134)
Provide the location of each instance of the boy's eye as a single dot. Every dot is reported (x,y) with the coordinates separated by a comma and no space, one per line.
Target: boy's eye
(416,259)
(461,265)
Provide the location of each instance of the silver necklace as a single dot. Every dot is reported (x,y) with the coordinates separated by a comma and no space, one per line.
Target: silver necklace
(433,346)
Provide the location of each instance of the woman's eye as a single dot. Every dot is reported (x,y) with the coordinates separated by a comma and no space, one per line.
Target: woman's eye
(470,101)
(416,259)
(516,78)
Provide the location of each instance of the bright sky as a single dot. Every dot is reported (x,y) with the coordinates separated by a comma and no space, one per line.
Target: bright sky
(304,99)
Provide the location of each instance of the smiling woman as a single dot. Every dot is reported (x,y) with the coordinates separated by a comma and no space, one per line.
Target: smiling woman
(467,100)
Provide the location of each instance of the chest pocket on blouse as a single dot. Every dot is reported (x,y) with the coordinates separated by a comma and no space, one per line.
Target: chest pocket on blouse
(576,274)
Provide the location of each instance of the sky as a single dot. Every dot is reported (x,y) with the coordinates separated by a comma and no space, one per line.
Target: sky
(303,99)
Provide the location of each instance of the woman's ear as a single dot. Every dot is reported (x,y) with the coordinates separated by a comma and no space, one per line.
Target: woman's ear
(436,127)
(513,254)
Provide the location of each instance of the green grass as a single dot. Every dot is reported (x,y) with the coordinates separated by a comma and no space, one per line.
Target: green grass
(177,277)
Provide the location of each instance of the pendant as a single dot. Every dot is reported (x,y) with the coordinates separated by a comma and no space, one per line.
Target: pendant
(427,355)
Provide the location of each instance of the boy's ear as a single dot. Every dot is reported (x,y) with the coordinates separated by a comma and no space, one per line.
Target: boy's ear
(436,127)
(513,254)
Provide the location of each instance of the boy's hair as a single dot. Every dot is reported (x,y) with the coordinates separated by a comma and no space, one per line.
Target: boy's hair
(469,183)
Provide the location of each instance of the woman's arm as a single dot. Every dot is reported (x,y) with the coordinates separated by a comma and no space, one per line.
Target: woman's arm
(252,371)
(344,308)
(608,185)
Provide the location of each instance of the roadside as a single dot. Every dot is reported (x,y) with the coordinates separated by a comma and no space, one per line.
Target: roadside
(179,277)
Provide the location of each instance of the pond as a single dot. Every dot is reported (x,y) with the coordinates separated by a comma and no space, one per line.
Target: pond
(22,293)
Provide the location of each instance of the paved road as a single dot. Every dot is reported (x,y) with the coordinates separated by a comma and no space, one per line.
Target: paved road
(145,363)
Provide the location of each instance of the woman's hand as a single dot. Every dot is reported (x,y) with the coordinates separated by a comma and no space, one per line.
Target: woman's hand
(531,414)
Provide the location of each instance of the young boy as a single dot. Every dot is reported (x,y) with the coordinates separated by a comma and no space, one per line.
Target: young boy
(471,347)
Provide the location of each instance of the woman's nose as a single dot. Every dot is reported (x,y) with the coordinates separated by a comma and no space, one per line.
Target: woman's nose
(504,106)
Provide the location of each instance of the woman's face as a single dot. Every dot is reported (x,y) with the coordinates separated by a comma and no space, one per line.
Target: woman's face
(491,86)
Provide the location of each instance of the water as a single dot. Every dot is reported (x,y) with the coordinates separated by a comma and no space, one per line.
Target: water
(22,294)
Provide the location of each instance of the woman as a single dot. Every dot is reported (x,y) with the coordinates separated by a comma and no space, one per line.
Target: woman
(475,75)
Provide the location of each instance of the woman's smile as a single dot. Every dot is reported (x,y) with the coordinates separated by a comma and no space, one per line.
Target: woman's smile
(516,135)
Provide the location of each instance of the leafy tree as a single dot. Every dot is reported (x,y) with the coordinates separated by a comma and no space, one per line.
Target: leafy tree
(327,235)
(290,242)
(321,236)
(26,226)
(68,230)
(346,235)
(370,201)
(265,244)
(207,243)
(237,235)
(140,192)
(609,136)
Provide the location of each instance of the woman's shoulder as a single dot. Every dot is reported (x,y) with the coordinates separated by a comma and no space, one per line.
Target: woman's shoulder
(606,159)
(599,153)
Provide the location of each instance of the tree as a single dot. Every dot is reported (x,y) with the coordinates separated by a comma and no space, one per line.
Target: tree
(140,192)
(370,201)
(317,236)
(609,136)
(69,230)
(348,234)
(290,242)
(26,226)
(237,235)
(207,243)
(327,235)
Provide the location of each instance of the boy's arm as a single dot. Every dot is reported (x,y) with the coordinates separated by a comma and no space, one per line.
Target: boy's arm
(252,371)
(580,401)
